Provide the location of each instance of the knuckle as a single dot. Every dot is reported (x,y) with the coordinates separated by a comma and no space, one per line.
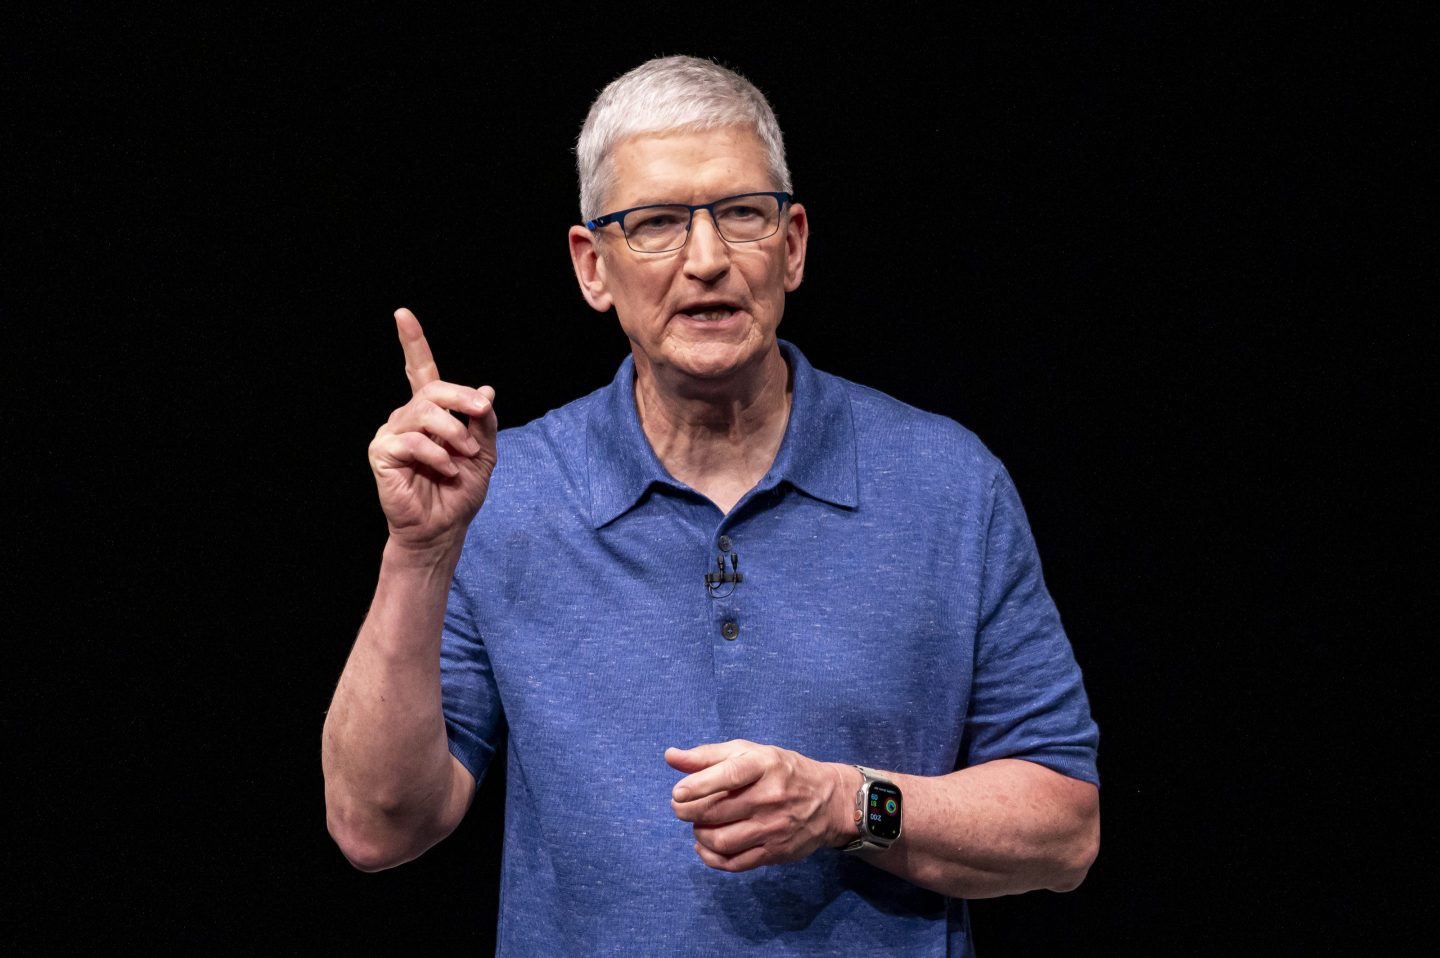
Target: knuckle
(434,389)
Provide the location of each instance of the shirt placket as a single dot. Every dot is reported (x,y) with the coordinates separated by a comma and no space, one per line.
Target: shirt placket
(727,611)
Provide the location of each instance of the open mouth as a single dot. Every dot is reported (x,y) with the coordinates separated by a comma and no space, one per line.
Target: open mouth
(709,312)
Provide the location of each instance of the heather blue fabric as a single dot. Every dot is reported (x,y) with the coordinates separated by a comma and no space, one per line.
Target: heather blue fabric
(892,614)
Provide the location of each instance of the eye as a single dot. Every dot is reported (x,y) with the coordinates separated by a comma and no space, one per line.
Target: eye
(741,212)
(655,221)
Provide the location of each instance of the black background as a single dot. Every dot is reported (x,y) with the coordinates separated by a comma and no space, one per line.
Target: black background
(1158,262)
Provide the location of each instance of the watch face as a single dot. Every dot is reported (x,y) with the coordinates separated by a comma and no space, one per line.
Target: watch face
(882,811)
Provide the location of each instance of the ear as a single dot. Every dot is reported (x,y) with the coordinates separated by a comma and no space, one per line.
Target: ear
(589,271)
(797,238)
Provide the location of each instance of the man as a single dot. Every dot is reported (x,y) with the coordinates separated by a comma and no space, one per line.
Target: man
(707,602)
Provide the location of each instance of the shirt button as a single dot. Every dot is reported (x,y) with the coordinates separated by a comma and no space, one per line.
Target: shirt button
(724,543)
(730,630)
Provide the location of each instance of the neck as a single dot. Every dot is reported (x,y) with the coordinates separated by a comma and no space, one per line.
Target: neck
(717,437)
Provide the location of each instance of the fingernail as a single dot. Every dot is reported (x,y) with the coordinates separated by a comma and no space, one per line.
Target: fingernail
(682,794)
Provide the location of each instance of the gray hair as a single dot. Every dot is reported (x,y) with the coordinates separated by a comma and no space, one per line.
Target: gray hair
(666,94)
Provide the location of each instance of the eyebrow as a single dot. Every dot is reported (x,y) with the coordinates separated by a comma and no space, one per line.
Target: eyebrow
(651,202)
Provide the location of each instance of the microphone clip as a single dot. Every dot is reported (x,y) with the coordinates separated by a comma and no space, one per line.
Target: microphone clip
(717,581)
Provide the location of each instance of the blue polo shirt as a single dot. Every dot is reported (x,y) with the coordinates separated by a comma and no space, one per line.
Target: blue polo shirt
(892,614)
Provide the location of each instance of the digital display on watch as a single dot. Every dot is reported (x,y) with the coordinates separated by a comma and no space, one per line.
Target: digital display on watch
(882,811)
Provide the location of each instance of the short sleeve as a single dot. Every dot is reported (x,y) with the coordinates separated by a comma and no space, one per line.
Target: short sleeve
(474,719)
(1027,698)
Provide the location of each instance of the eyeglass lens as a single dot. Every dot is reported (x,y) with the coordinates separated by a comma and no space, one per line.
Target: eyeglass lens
(739,219)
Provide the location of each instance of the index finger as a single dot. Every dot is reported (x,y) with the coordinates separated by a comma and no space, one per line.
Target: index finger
(419,364)
(732,774)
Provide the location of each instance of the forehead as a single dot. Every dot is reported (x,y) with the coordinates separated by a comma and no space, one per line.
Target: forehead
(688,166)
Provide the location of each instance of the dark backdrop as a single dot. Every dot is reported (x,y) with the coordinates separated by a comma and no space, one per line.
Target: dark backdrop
(1128,248)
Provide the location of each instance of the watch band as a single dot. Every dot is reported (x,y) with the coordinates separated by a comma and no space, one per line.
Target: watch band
(865,839)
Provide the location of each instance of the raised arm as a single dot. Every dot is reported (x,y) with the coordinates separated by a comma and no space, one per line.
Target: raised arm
(392,788)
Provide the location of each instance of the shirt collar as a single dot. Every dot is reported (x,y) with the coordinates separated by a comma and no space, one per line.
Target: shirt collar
(817,454)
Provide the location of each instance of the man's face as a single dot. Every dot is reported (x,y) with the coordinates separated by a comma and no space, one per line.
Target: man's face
(709,310)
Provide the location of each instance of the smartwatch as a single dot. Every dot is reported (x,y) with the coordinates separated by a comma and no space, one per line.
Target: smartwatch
(877,812)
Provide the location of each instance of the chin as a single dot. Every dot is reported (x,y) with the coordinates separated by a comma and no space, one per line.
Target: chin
(715,360)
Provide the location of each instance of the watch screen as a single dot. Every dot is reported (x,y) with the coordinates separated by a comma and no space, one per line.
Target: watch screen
(882,811)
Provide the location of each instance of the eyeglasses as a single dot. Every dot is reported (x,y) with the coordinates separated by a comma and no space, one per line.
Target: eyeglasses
(663,227)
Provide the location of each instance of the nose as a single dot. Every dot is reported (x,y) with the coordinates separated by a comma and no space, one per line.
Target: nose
(707,256)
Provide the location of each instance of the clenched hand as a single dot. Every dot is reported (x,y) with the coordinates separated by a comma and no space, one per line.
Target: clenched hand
(754,805)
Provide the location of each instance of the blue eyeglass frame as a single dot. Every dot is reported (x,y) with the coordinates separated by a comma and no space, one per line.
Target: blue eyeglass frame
(618,217)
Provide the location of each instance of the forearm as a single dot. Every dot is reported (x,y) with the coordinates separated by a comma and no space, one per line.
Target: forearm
(390,781)
(1000,828)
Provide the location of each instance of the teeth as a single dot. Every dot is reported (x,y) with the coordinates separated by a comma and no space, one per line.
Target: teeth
(711,314)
